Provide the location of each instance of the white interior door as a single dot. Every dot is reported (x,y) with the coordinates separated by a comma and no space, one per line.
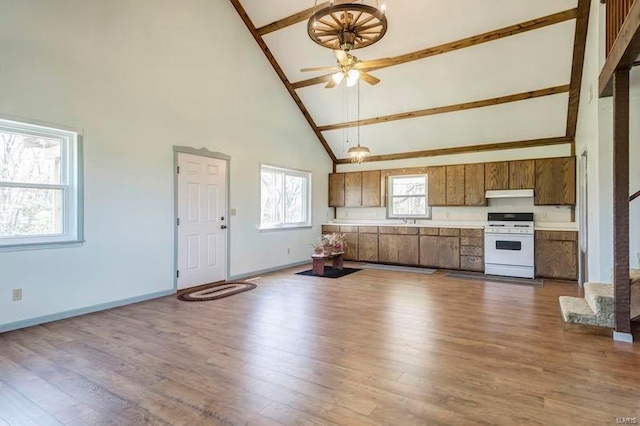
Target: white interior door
(202,219)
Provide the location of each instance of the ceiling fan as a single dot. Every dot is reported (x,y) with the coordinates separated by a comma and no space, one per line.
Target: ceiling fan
(348,68)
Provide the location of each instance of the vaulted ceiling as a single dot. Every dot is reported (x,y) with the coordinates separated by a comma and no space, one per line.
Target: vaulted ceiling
(470,75)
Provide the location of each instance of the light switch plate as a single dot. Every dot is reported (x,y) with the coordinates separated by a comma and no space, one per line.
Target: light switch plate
(17,294)
(233,212)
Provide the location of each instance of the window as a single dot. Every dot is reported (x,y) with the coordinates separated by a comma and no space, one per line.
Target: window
(285,198)
(408,196)
(39,175)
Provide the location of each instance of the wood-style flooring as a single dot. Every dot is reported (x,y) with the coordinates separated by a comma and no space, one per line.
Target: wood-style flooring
(372,348)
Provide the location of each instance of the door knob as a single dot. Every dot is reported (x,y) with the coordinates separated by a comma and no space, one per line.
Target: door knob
(223,226)
(222,218)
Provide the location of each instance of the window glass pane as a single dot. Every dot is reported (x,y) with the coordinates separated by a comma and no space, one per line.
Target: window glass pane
(409,206)
(272,202)
(295,199)
(415,185)
(30,212)
(29,159)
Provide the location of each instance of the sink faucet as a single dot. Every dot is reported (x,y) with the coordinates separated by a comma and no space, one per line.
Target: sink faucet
(408,221)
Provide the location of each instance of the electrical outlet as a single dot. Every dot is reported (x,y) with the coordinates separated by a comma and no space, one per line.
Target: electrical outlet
(288,251)
(17,294)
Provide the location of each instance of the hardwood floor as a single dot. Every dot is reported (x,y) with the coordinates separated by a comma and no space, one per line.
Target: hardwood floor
(372,348)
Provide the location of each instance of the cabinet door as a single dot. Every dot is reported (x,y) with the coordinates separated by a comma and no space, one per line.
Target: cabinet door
(353,189)
(522,174)
(440,252)
(474,194)
(368,247)
(455,185)
(496,176)
(557,259)
(336,190)
(351,246)
(555,181)
(371,188)
(401,249)
(437,177)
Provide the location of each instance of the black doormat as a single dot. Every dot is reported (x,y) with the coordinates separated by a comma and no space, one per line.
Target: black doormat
(215,291)
(329,272)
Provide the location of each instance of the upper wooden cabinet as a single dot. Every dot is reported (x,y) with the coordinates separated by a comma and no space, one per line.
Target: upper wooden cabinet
(474,193)
(555,181)
(371,188)
(496,176)
(353,189)
(437,177)
(455,185)
(336,190)
(522,174)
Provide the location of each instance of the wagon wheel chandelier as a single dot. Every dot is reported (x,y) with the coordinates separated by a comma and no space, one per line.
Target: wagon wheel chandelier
(348,26)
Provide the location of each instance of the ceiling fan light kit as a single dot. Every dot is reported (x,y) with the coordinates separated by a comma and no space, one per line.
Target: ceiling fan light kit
(348,26)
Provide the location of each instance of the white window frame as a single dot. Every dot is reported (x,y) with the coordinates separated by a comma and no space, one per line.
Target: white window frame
(391,196)
(70,185)
(306,202)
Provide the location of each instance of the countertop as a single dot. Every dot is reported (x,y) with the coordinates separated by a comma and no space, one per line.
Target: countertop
(465,224)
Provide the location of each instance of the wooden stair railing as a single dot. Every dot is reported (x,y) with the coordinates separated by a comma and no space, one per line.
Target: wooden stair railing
(634,196)
(617,11)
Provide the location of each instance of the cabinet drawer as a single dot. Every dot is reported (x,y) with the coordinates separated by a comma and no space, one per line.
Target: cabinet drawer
(406,230)
(328,229)
(471,251)
(429,231)
(557,235)
(469,241)
(472,263)
(348,229)
(368,229)
(474,233)
(449,232)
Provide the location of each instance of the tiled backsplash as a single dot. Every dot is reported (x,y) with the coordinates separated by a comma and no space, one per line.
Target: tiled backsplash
(511,205)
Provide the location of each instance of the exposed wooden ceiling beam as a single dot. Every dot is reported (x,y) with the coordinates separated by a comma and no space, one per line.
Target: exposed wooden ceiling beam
(451,108)
(465,149)
(624,52)
(296,18)
(579,46)
(523,27)
(245,18)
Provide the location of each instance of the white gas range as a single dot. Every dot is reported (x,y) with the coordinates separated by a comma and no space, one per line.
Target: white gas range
(509,245)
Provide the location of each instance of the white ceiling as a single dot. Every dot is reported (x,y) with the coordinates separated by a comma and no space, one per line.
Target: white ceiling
(533,60)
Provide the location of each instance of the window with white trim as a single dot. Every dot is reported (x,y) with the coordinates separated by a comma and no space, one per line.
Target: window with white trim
(408,197)
(285,198)
(39,175)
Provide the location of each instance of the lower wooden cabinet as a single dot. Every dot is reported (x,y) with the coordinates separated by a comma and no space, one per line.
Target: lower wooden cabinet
(350,246)
(402,249)
(440,252)
(368,247)
(557,254)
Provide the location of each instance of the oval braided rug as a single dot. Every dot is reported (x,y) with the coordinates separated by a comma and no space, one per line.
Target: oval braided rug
(215,291)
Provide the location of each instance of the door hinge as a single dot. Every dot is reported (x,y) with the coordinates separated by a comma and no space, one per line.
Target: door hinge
(178,170)
(177,274)
(178,222)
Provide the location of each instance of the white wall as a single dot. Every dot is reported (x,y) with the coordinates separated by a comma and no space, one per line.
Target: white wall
(138,77)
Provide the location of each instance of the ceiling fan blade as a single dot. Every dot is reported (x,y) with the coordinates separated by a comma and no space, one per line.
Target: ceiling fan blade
(320,69)
(331,84)
(369,78)
(374,63)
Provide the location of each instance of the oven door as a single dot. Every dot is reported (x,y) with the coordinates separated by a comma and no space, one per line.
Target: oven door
(509,249)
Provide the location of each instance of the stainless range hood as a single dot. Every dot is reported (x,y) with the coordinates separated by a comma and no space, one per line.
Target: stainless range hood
(510,193)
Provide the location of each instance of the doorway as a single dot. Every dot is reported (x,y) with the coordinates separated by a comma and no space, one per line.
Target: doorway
(201,217)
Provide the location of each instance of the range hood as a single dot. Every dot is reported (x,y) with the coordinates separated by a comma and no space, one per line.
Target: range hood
(510,193)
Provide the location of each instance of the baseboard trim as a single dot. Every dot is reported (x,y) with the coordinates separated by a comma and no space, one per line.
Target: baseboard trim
(622,337)
(82,311)
(266,271)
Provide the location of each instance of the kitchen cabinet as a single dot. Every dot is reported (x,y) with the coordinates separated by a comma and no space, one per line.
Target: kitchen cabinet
(440,252)
(496,176)
(555,182)
(353,189)
(371,188)
(350,242)
(474,192)
(455,185)
(472,250)
(556,254)
(522,174)
(336,190)
(368,244)
(437,177)
(398,245)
